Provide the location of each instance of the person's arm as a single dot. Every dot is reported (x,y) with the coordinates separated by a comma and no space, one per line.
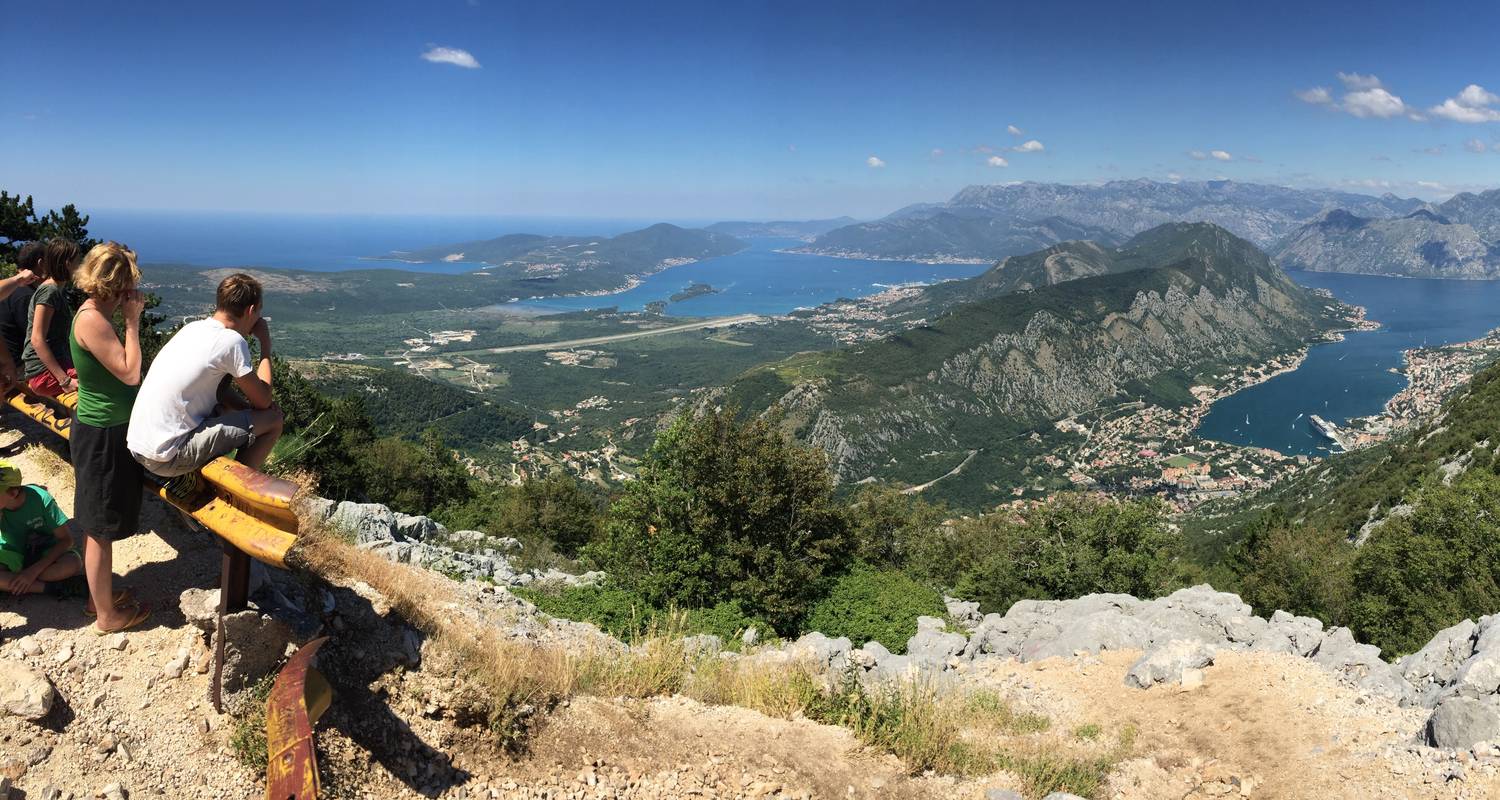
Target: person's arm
(23,277)
(97,336)
(257,384)
(41,317)
(8,371)
(28,576)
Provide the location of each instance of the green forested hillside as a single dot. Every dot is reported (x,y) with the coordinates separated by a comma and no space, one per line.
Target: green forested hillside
(987,378)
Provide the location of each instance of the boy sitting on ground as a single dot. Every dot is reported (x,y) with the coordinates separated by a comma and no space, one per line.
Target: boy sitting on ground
(186,414)
(37,552)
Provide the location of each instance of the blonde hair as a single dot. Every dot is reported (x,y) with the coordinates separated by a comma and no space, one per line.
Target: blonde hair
(107,271)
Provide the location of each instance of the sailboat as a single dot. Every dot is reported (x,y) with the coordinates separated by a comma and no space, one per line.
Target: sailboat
(1247,419)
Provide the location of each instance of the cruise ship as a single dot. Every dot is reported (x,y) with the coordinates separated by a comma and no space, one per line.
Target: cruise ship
(1329,430)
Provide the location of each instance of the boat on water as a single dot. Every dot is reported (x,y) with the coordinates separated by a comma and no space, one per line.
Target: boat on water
(1326,429)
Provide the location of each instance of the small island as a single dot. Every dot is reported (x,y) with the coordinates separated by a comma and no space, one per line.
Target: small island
(696,290)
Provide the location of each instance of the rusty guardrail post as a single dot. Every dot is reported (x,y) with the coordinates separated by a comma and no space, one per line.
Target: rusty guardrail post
(298,698)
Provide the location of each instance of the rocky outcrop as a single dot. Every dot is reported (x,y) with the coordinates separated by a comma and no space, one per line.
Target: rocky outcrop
(423,542)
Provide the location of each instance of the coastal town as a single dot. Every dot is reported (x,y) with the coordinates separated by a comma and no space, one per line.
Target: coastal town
(1432,374)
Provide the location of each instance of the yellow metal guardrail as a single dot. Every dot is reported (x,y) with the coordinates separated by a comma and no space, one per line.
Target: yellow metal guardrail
(251,513)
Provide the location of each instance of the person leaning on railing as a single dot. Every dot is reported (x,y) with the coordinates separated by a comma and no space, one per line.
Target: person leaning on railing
(107,478)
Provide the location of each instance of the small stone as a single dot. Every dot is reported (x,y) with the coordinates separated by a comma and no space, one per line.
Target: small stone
(113,791)
(38,754)
(116,641)
(29,646)
(1002,794)
(13,767)
(23,692)
(172,670)
(63,654)
(106,745)
(1192,678)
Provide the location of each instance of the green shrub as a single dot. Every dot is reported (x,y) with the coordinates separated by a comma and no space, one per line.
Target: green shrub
(626,615)
(875,605)
(728,510)
(1068,547)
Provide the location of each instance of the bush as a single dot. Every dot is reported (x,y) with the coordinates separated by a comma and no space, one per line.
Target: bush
(627,616)
(875,605)
(557,509)
(1071,546)
(1302,570)
(1418,575)
(724,510)
(889,525)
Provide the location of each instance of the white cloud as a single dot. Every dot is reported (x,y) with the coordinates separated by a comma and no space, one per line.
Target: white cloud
(1317,95)
(1354,81)
(937,152)
(1029,146)
(1374,102)
(1173,177)
(875,163)
(1197,155)
(1476,146)
(1433,185)
(451,55)
(1472,105)
(997,161)
(1012,130)
(1221,155)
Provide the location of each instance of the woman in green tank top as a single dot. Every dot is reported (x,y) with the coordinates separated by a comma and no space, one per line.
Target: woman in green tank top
(107,478)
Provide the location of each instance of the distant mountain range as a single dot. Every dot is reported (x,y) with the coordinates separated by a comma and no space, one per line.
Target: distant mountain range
(1036,339)
(547,257)
(1000,216)
(782,229)
(948,236)
(1456,239)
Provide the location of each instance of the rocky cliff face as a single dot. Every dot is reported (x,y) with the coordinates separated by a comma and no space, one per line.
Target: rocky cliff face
(988,371)
(1458,239)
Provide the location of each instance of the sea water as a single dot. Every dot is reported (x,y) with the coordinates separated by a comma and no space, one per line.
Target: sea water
(764,280)
(1354,378)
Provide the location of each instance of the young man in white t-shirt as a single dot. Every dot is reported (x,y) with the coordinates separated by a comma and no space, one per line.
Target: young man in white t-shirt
(186,415)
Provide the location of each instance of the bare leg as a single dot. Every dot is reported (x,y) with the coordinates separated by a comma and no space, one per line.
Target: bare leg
(65,567)
(98,566)
(267,423)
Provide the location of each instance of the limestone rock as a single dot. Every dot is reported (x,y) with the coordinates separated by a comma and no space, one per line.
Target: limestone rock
(1165,663)
(414,528)
(1459,722)
(367,522)
(23,692)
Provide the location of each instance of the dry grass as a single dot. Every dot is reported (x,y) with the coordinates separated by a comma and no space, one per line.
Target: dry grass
(954,733)
(48,468)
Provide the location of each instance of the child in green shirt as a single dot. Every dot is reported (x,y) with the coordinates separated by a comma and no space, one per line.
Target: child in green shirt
(37,552)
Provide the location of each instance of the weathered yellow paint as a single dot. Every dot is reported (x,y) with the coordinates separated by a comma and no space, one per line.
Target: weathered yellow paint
(248,509)
(299,696)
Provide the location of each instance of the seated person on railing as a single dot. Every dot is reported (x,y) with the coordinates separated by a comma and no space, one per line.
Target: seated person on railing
(186,415)
(49,367)
(37,553)
(15,305)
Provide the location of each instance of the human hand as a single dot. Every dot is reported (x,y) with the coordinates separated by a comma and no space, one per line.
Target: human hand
(23,582)
(68,384)
(28,277)
(134,304)
(262,331)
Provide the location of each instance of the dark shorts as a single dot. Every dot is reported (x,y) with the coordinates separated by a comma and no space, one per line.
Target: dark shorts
(107,482)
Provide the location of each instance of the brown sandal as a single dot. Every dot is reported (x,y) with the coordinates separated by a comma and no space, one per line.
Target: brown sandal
(141,615)
(122,599)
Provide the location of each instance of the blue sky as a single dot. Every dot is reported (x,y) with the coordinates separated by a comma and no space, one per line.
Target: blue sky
(703,110)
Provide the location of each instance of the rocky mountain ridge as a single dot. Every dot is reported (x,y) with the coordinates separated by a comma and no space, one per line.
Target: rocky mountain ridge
(1262,213)
(989,371)
(1459,238)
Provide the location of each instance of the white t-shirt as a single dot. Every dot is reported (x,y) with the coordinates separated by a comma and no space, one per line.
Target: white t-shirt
(182,387)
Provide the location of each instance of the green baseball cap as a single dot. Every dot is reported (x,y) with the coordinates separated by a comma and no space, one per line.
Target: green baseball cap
(10,476)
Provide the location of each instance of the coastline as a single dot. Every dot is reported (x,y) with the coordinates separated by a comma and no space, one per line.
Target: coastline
(855,255)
